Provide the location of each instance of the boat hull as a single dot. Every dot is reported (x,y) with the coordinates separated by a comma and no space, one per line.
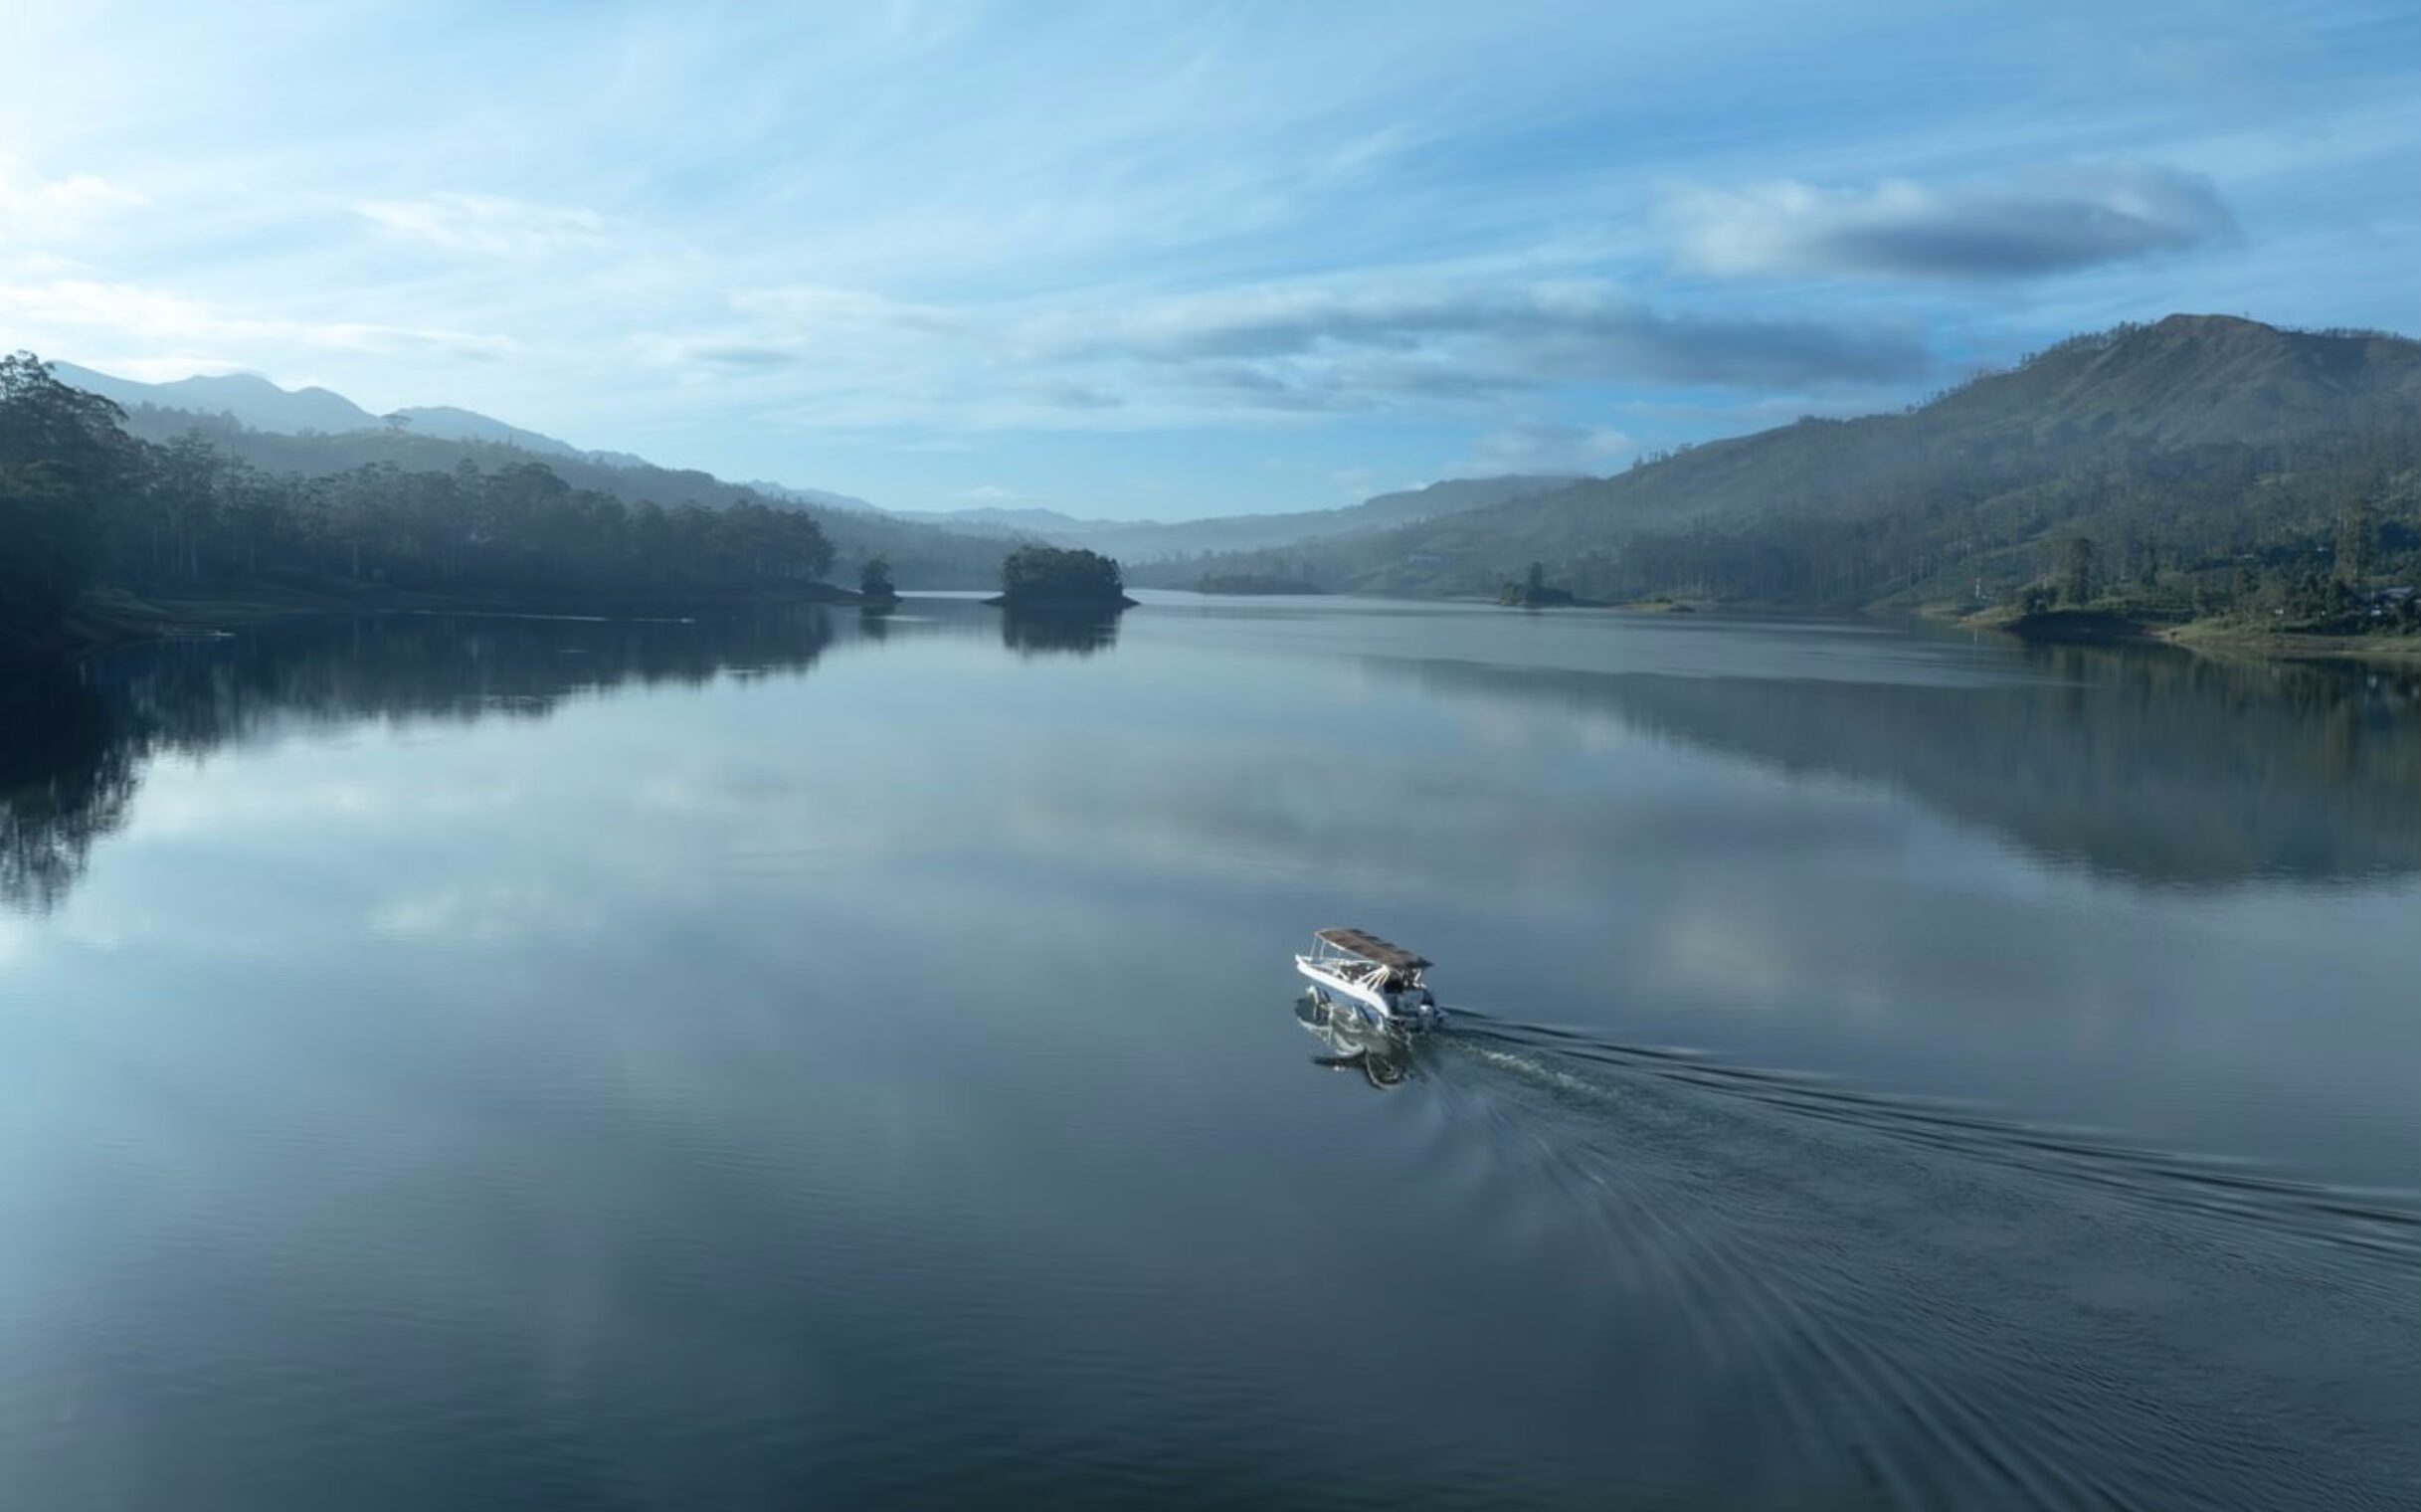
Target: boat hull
(1408,1008)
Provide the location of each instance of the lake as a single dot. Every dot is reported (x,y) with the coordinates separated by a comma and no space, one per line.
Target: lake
(813,1060)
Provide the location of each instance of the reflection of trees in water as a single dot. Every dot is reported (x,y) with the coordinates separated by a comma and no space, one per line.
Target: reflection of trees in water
(428,667)
(65,780)
(1041,633)
(72,741)
(2156,765)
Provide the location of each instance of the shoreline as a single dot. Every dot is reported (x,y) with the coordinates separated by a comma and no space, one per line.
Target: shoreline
(111,619)
(2088,626)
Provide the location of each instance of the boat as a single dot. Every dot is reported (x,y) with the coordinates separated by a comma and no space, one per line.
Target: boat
(1351,1043)
(1381,982)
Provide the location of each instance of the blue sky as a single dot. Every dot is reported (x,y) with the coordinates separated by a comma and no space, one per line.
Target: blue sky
(1139,260)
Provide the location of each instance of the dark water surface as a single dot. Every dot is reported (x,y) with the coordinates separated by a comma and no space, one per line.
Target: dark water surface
(823,1061)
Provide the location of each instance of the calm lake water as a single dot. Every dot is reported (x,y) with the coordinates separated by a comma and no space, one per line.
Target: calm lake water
(818,1060)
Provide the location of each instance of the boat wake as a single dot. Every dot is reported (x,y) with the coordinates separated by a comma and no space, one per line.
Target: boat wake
(1915,1303)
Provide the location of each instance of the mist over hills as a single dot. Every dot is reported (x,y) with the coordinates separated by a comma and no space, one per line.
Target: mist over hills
(1145,543)
(2201,437)
(317,433)
(2200,441)
(261,405)
(258,404)
(250,398)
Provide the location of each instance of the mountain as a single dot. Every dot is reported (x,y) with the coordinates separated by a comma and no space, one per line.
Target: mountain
(821,496)
(252,398)
(316,432)
(1048,525)
(1142,544)
(261,405)
(449,423)
(921,556)
(2201,431)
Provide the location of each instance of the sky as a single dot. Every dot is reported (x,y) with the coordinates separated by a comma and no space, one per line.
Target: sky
(1163,260)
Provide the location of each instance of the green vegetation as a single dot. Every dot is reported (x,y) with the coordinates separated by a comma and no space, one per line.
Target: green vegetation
(1049,577)
(1246,583)
(88,511)
(1532,591)
(923,555)
(2201,469)
(874,580)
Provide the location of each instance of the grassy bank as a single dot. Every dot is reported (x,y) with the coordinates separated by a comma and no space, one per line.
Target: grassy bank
(2113,624)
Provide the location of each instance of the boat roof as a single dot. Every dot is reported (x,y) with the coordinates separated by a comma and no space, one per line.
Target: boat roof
(1369,947)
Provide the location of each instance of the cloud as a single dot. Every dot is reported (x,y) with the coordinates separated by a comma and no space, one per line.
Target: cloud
(152,317)
(739,356)
(1298,349)
(814,310)
(1463,339)
(2042,221)
(33,208)
(486,225)
(1540,446)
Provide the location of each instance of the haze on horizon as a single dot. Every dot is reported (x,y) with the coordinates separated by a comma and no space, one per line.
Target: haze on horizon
(1249,257)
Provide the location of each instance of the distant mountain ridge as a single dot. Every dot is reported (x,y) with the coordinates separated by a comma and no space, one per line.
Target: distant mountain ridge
(261,405)
(1143,543)
(252,398)
(2089,428)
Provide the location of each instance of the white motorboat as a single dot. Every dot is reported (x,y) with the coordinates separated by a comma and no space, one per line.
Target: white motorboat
(1380,982)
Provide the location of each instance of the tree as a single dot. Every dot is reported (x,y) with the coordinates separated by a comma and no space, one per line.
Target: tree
(1050,575)
(1535,582)
(61,452)
(2358,541)
(2077,570)
(874,578)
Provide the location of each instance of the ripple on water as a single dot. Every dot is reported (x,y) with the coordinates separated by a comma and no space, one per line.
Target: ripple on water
(1954,1310)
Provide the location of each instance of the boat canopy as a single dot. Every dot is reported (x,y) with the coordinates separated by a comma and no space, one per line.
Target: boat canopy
(1369,947)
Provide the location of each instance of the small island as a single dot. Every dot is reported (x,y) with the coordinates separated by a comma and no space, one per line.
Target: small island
(1532,592)
(875,591)
(1056,580)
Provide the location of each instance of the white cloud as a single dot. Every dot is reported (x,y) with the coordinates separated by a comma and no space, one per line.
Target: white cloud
(1540,446)
(806,308)
(152,317)
(486,225)
(37,208)
(1274,351)
(2042,221)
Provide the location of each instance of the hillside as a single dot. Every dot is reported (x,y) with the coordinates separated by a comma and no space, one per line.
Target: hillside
(921,556)
(251,399)
(1143,543)
(2201,437)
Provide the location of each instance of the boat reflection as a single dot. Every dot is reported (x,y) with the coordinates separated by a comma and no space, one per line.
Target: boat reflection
(1351,1044)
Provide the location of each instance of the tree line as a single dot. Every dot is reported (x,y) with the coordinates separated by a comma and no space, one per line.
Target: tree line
(2305,531)
(83,503)
(2307,527)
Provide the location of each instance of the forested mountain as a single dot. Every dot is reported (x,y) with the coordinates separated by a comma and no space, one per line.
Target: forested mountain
(2195,446)
(95,519)
(1143,543)
(317,433)
(921,556)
